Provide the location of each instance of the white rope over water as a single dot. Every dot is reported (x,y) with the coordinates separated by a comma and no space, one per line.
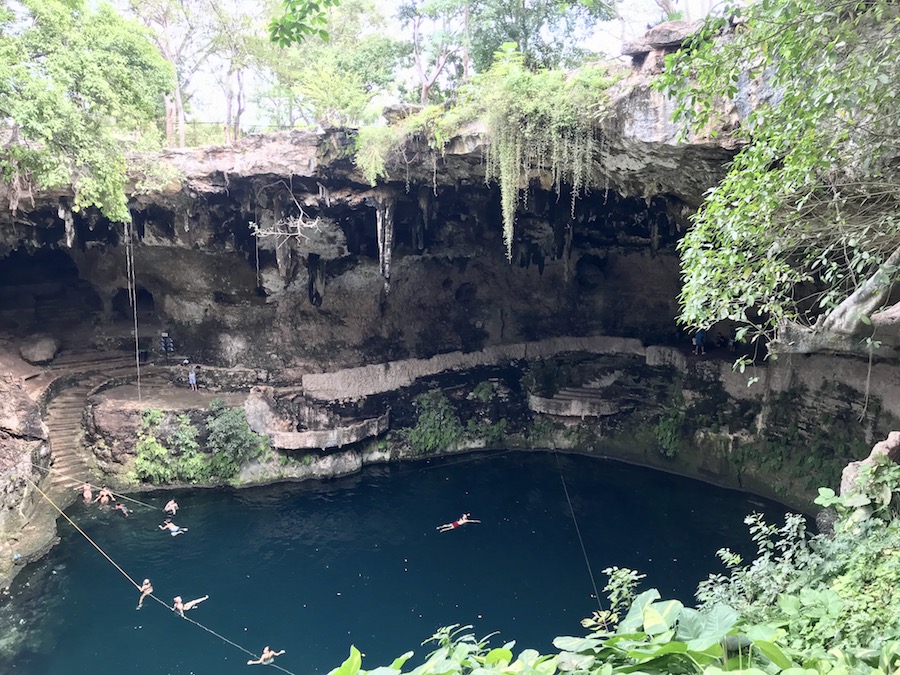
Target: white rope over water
(578,531)
(138,586)
(79,481)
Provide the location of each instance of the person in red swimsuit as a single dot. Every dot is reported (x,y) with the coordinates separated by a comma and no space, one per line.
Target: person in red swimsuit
(463,519)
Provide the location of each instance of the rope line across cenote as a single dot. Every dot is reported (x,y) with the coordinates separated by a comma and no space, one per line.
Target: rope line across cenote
(93,487)
(138,586)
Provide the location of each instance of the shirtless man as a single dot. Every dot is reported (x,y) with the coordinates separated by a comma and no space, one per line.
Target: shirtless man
(86,493)
(171,507)
(267,656)
(181,607)
(463,519)
(105,496)
(173,529)
(146,589)
(124,509)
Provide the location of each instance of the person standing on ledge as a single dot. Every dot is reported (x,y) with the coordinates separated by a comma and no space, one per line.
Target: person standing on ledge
(192,376)
(267,656)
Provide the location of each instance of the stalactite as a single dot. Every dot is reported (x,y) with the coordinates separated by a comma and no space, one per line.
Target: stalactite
(65,213)
(315,267)
(385,204)
(567,253)
(420,226)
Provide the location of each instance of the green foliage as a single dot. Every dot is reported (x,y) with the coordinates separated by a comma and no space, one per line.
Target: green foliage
(373,147)
(547,32)
(535,120)
(168,449)
(543,120)
(334,82)
(808,209)
(80,84)
(438,427)
(230,439)
(669,431)
(301,19)
(493,433)
(485,391)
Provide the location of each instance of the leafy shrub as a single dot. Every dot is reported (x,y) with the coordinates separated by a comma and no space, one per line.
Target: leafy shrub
(437,427)
(168,449)
(230,439)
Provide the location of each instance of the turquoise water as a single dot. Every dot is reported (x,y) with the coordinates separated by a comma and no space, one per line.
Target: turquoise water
(316,567)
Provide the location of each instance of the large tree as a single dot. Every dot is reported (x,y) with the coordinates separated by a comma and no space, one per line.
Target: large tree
(546,31)
(800,242)
(334,81)
(77,84)
(183,33)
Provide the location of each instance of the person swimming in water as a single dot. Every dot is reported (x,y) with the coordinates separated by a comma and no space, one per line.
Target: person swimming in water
(86,493)
(181,607)
(105,496)
(146,589)
(171,507)
(124,509)
(463,519)
(267,656)
(173,529)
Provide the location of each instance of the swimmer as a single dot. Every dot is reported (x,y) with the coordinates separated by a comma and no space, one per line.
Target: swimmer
(181,607)
(463,519)
(104,496)
(173,529)
(124,509)
(267,656)
(171,508)
(86,493)
(146,589)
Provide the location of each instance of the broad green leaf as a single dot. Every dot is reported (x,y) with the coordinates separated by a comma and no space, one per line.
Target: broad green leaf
(498,654)
(351,665)
(634,620)
(661,616)
(772,652)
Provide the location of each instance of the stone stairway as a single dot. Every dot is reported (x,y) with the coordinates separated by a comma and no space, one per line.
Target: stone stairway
(71,464)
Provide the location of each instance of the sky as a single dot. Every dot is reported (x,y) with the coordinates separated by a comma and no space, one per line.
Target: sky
(607,38)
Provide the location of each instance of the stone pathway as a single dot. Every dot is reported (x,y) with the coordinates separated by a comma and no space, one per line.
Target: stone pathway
(71,465)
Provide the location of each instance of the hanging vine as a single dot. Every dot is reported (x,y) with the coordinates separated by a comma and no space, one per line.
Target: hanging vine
(534,121)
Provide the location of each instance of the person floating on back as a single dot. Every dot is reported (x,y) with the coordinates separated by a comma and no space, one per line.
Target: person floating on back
(173,529)
(146,589)
(463,519)
(171,507)
(181,607)
(267,656)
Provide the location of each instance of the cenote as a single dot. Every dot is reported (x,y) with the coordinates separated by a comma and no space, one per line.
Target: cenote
(315,567)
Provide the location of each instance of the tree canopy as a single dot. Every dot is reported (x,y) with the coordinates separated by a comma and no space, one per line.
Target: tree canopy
(800,242)
(76,84)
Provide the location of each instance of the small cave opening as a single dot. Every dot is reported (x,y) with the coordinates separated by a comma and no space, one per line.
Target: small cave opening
(41,292)
(121,304)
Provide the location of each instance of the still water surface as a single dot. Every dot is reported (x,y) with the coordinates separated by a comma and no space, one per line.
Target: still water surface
(317,566)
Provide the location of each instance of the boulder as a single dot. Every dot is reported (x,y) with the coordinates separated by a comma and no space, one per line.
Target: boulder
(39,349)
(666,36)
(890,448)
